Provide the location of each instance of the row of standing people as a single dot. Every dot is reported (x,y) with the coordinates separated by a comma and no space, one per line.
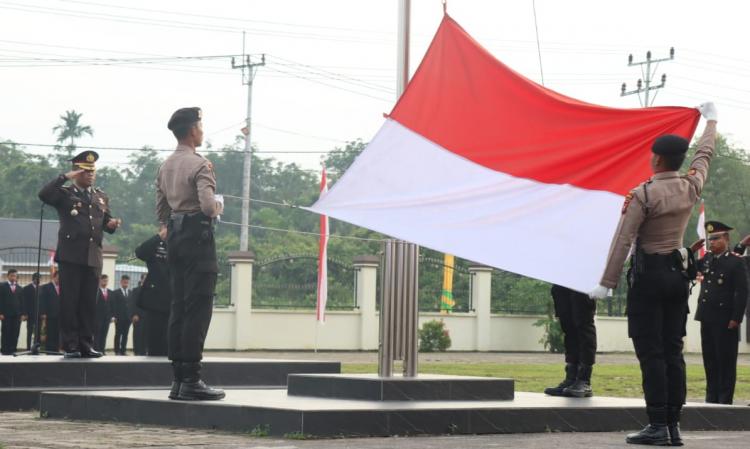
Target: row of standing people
(19,304)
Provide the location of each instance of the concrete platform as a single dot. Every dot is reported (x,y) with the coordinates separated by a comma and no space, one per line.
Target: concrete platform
(277,413)
(23,378)
(425,387)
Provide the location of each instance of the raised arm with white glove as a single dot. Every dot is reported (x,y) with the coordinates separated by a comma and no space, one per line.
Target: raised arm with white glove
(708,111)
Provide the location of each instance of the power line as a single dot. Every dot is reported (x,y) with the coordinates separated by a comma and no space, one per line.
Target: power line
(207,151)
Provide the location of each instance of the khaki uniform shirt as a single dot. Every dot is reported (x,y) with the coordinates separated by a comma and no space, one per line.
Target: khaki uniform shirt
(661,223)
(185,183)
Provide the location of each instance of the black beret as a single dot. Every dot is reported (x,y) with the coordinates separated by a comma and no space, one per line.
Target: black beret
(184,117)
(670,144)
(85,160)
(717,226)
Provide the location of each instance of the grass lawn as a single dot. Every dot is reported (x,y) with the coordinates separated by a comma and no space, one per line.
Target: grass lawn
(607,380)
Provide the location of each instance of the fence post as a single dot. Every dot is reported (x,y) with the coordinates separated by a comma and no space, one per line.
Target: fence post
(481,298)
(241,294)
(367,286)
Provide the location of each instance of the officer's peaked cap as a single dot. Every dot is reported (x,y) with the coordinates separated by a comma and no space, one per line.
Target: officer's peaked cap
(717,226)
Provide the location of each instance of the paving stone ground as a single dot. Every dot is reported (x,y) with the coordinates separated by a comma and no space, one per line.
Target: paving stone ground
(24,430)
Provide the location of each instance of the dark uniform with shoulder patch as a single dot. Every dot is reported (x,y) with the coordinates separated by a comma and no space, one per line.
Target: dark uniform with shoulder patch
(653,222)
(723,298)
(83,214)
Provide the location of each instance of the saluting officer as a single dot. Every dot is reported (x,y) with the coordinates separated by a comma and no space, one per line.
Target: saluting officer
(186,207)
(84,214)
(721,306)
(653,221)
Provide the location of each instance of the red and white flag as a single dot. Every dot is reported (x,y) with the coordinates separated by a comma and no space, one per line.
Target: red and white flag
(701,229)
(320,308)
(474,156)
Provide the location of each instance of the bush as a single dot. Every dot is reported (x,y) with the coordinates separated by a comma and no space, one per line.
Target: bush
(434,337)
(553,338)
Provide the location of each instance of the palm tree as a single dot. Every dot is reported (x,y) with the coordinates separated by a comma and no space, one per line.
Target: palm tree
(69,129)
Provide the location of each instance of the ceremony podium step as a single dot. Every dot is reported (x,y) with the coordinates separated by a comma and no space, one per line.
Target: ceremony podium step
(276,413)
(425,387)
(23,378)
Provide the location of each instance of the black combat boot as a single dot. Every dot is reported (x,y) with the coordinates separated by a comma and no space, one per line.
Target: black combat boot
(192,388)
(673,424)
(174,392)
(581,388)
(571,369)
(654,434)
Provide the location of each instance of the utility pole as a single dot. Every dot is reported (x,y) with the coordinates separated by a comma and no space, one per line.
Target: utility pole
(644,84)
(247,79)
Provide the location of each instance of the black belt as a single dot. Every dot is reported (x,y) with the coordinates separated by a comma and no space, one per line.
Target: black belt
(660,261)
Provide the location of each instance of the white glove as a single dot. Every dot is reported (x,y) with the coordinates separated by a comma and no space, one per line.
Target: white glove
(599,292)
(708,111)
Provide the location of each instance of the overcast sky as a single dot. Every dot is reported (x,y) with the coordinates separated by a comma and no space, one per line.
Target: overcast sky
(331,64)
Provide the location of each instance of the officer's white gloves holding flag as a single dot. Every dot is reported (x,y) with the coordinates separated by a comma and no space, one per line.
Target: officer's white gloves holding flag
(708,111)
(599,292)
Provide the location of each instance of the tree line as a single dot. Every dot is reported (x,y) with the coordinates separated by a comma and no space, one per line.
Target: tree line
(132,196)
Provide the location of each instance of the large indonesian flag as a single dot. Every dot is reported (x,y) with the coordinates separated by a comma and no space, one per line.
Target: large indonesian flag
(476,160)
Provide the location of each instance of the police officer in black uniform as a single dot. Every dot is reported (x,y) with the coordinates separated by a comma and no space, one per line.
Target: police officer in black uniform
(84,215)
(721,307)
(154,296)
(186,205)
(576,311)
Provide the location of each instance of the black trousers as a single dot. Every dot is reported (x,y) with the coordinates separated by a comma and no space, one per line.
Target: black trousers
(719,346)
(139,337)
(30,328)
(576,313)
(100,336)
(156,332)
(122,328)
(78,284)
(191,254)
(53,334)
(11,328)
(657,314)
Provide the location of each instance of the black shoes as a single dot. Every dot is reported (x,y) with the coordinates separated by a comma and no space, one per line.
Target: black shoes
(199,391)
(90,353)
(654,434)
(571,369)
(581,388)
(174,391)
(673,425)
(72,355)
(191,387)
(651,435)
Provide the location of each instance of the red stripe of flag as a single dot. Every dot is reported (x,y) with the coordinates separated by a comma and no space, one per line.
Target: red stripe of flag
(320,308)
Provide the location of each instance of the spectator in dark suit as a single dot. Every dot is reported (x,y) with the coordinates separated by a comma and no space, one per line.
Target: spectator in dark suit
(104,314)
(49,309)
(11,313)
(120,301)
(29,306)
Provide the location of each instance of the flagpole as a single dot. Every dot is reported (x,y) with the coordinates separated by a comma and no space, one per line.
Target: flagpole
(402,63)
